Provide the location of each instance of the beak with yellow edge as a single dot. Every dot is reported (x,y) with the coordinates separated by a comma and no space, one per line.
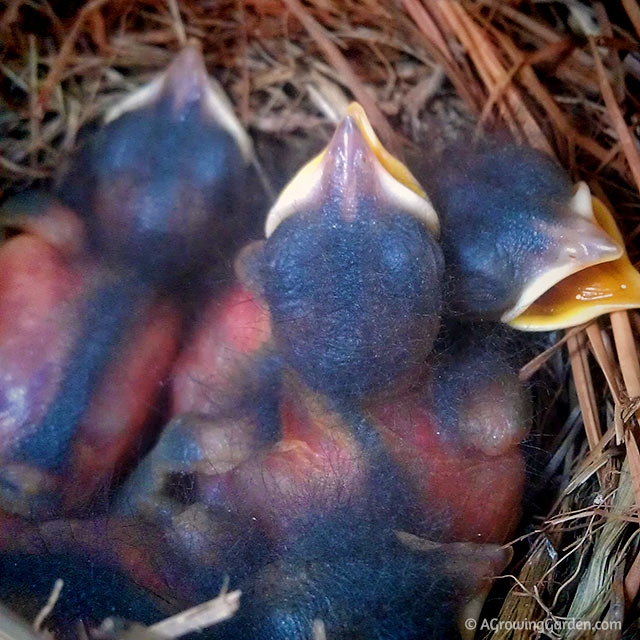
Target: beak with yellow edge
(589,293)
(355,165)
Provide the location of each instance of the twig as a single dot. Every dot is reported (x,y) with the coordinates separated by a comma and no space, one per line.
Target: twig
(335,57)
(633,11)
(65,52)
(44,613)
(178,25)
(197,618)
(576,345)
(617,119)
(534,365)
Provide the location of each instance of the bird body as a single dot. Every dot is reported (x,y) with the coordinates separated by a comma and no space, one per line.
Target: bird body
(98,285)
(72,335)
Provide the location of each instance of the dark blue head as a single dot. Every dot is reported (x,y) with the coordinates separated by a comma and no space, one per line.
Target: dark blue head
(166,185)
(351,271)
(512,227)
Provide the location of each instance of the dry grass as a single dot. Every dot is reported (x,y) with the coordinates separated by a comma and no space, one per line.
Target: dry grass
(555,75)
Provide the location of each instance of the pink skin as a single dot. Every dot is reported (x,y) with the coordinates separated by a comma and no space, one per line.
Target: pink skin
(116,420)
(42,291)
(317,465)
(316,458)
(473,478)
(476,492)
(215,389)
(39,293)
(471,474)
(213,374)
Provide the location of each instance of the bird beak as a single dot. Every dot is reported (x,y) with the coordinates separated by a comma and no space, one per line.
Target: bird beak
(594,291)
(185,83)
(569,246)
(344,168)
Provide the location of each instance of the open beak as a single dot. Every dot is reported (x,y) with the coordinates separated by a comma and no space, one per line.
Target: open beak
(184,83)
(344,167)
(609,285)
(573,244)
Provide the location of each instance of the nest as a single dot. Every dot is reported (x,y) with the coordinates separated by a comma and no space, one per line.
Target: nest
(559,76)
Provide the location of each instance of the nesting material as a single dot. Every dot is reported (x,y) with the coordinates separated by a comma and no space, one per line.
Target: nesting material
(560,77)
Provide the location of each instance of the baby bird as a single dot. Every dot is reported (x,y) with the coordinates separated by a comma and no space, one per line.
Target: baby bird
(514,227)
(351,270)
(169,185)
(93,289)
(587,294)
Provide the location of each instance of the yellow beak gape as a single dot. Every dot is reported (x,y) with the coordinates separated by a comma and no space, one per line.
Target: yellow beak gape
(587,294)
